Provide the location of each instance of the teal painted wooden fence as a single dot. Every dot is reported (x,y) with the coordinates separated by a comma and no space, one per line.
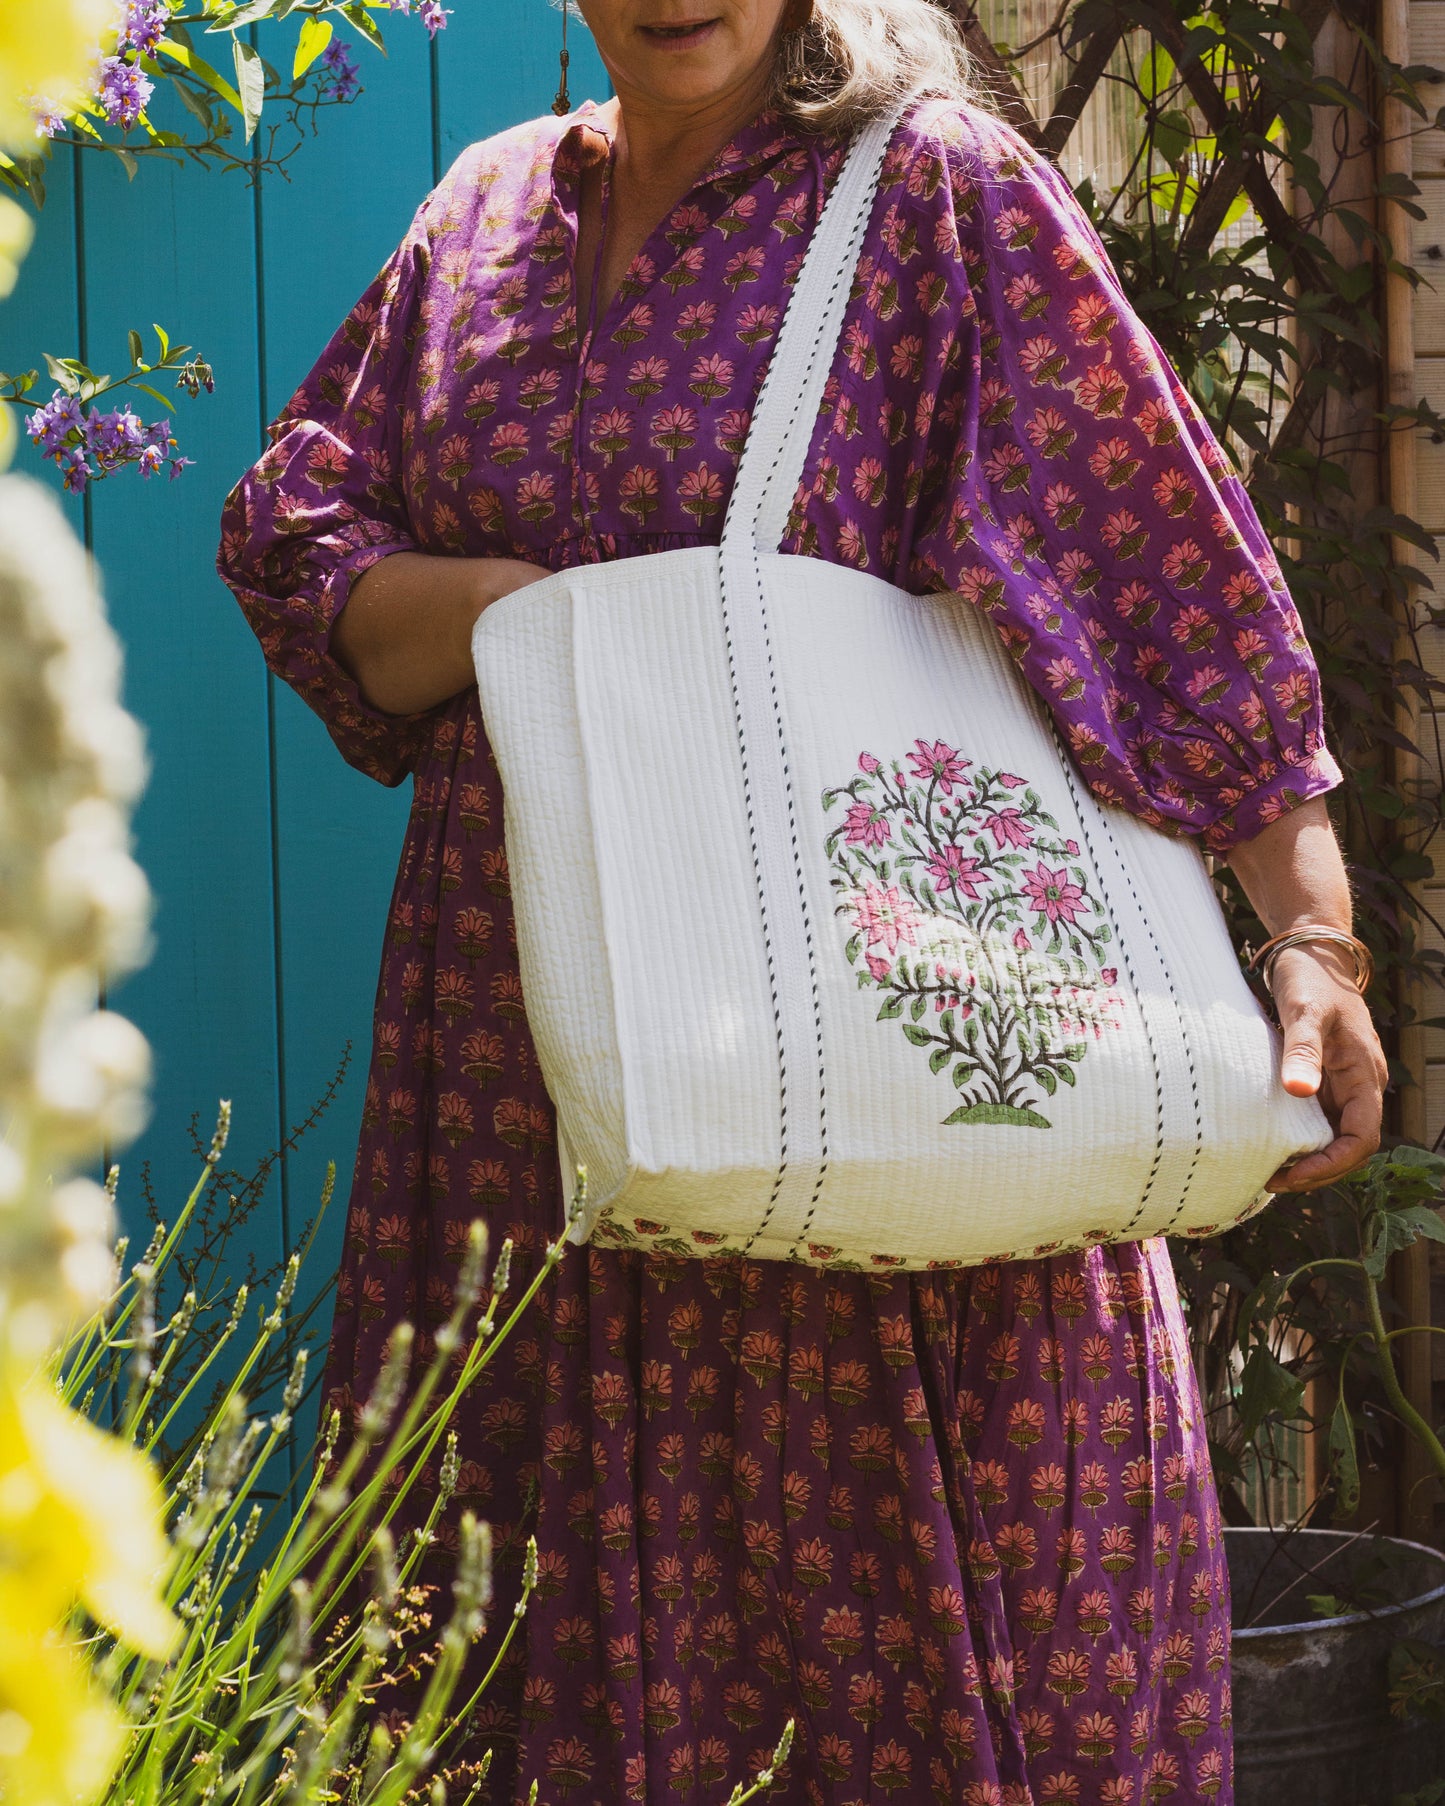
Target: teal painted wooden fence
(271,861)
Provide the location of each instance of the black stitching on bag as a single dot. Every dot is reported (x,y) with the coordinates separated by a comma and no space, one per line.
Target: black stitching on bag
(762,911)
(1068,768)
(807,930)
(847,271)
(1184,1037)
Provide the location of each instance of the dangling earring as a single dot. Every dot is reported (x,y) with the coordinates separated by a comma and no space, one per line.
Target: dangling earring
(562,105)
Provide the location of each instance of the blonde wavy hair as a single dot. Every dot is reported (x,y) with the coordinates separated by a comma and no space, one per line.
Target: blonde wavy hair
(855,59)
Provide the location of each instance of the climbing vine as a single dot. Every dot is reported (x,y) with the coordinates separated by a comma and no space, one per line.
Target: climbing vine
(1256,222)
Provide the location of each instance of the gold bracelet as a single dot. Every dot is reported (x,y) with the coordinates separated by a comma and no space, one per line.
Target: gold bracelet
(1263,960)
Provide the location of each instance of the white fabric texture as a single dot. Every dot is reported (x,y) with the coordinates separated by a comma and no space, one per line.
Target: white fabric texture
(828,950)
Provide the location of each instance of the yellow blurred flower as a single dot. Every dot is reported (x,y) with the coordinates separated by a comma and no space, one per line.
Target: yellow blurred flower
(47,49)
(80,1516)
(81,1513)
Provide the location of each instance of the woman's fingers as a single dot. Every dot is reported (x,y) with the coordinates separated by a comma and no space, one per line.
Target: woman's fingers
(1303,1062)
(1339,1050)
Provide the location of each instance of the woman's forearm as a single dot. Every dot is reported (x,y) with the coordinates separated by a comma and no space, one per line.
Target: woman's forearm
(405,633)
(1293,873)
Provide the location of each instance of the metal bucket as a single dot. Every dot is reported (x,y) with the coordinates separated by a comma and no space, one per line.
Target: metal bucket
(1312,1725)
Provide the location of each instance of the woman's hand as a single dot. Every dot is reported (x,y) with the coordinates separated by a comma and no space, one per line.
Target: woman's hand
(405,633)
(1294,875)
(1330,1047)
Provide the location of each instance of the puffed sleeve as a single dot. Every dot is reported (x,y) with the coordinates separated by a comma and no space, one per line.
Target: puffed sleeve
(325,502)
(1088,507)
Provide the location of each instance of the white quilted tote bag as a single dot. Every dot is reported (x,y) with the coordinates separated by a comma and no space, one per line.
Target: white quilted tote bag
(828,951)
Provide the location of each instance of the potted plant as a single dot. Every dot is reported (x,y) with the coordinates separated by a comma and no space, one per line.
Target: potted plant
(1339,1696)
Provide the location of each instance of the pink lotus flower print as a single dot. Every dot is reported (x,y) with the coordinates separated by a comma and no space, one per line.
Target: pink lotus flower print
(1185,564)
(885,917)
(1092,318)
(1294,694)
(1114,463)
(1103,391)
(1041,360)
(1124,534)
(1243,593)
(1008,828)
(1008,467)
(866,826)
(952,869)
(647,377)
(1052,894)
(1027,296)
(1016,227)
(1062,505)
(968,911)
(938,763)
(1049,433)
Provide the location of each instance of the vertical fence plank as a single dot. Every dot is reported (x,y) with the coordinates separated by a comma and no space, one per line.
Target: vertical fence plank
(497,64)
(271,861)
(43,314)
(177,246)
(324,234)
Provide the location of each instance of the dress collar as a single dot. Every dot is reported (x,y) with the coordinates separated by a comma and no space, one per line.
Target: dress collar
(761,141)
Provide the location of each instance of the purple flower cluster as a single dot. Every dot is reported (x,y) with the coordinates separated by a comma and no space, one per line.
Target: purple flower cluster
(143,26)
(431,13)
(341,79)
(124,91)
(85,446)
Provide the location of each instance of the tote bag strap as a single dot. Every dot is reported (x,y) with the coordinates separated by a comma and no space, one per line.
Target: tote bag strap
(787,409)
(768,477)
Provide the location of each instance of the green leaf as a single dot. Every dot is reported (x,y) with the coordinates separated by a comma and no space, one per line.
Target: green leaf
(196,105)
(1423,1220)
(201,69)
(1173,135)
(61,374)
(891,1009)
(248,14)
(316,34)
(1422,1161)
(250,84)
(1067,1074)
(1326,1605)
(1156,73)
(355,14)
(918,1006)
(920,1037)
(1045,1076)
(155,395)
(938,1059)
(164,338)
(137,349)
(1267,1389)
(1344,1460)
(962,1073)
(127,160)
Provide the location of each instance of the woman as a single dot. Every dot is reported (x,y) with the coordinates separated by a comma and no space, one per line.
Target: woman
(961,1528)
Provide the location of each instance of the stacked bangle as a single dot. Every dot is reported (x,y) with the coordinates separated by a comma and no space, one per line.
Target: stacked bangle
(1263,960)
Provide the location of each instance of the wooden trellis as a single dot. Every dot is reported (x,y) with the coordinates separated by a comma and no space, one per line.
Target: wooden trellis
(1060,73)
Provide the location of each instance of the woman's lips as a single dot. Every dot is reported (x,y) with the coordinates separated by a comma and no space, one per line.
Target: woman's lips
(684,36)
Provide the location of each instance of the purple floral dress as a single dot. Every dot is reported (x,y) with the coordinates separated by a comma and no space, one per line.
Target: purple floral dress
(960,1527)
